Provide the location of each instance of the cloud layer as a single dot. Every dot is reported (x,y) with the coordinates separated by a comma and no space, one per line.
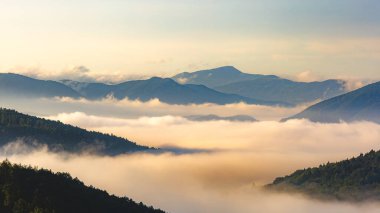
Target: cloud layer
(243,156)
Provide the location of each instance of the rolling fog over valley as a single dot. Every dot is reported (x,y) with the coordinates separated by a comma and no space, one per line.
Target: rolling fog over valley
(189,157)
(213,169)
(189,106)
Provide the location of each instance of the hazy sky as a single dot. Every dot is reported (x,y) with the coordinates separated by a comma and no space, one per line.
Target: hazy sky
(330,38)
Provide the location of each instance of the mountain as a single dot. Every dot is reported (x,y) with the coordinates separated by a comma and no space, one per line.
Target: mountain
(262,87)
(18,85)
(284,90)
(356,179)
(360,105)
(164,89)
(27,189)
(35,131)
(235,118)
(217,77)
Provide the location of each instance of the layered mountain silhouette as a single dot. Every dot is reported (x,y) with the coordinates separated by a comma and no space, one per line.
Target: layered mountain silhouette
(355,179)
(22,86)
(34,131)
(263,87)
(224,85)
(359,105)
(27,189)
(164,89)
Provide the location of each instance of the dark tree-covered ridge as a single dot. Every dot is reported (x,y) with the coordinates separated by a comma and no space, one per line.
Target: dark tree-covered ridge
(31,190)
(60,137)
(355,179)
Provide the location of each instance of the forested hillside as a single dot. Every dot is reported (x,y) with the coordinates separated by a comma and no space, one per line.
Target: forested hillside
(26,189)
(15,126)
(355,179)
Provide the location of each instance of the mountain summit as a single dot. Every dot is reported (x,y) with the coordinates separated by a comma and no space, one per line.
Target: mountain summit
(216,77)
(262,87)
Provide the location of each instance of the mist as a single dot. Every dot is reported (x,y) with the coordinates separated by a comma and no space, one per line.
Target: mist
(224,165)
(125,108)
(229,178)
(200,183)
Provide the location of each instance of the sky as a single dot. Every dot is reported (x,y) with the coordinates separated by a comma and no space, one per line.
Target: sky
(329,38)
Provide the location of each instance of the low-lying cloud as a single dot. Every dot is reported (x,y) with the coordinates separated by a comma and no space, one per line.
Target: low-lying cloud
(273,136)
(224,164)
(76,73)
(125,108)
(220,182)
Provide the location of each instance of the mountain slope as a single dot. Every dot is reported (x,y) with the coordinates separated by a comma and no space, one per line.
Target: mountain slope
(355,179)
(217,77)
(58,136)
(361,104)
(26,189)
(164,89)
(262,87)
(278,89)
(18,85)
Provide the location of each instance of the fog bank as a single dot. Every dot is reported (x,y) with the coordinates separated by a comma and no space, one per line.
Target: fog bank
(227,179)
(200,183)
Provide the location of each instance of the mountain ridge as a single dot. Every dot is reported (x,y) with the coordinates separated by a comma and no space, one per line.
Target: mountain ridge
(166,90)
(355,179)
(230,80)
(20,85)
(15,126)
(362,104)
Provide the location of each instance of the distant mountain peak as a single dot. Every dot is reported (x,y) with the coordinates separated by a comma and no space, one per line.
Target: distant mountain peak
(214,77)
(226,69)
(160,79)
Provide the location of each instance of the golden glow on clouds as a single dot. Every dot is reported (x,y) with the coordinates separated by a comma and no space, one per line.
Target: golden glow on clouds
(224,180)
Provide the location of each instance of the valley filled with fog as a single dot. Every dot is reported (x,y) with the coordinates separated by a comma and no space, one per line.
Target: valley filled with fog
(210,166)
(141,106)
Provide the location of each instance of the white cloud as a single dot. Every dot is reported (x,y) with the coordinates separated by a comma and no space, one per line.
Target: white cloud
(155,107)
(249,154)
(76,73)
(90,121)
(307,76)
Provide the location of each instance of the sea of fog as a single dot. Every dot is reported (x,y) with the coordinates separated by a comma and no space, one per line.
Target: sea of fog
(224,173)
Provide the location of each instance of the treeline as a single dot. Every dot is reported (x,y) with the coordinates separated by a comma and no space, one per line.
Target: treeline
(355,179)
(31,190)
(59,136)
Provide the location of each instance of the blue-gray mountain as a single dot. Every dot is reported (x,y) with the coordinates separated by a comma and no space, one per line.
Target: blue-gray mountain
(217,77)
(263,87)
(359,105)
(164,89)
(22,86)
